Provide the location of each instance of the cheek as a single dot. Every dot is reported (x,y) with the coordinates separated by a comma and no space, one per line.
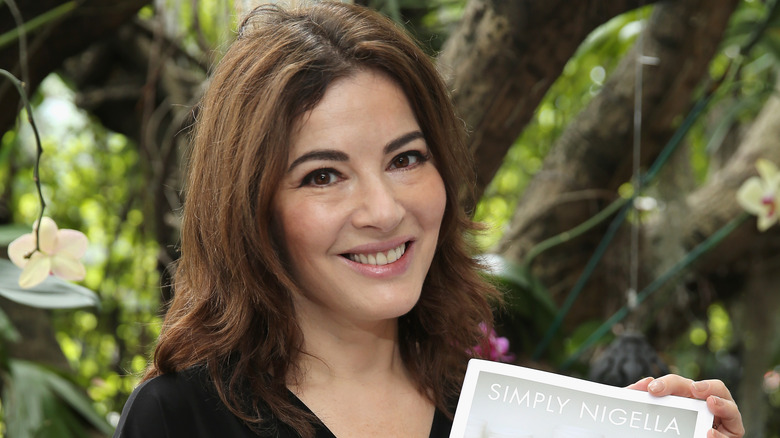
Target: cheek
(290,229)
(305,227)
(434,202)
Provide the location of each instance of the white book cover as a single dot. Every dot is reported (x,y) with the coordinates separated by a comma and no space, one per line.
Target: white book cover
(499,400)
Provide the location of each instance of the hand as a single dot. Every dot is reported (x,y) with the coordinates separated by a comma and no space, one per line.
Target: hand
(728,420)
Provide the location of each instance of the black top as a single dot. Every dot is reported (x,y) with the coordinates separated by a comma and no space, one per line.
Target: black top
(185,405)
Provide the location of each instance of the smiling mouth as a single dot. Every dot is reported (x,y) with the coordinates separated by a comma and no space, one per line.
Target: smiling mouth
(379,258)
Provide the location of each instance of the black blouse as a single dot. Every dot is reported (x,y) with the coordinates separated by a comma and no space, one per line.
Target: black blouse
(185,405)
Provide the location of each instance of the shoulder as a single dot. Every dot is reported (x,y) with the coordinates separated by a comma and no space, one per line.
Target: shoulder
(442,425)
(184,387)
(183,404)
(173,393)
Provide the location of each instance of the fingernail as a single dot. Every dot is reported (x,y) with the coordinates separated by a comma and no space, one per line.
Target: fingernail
(701,386)
(716,400)
(656,386)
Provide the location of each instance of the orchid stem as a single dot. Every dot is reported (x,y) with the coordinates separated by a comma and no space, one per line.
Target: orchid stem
(39,148)
(21,85)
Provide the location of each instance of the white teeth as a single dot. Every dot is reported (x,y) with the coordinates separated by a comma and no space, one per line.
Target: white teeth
(380,258)
(391,256)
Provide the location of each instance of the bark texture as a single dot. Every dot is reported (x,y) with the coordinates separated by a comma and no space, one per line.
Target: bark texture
(594,152)
(502,59)
(55,41)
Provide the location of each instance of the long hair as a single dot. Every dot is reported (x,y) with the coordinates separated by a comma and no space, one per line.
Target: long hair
(232,310)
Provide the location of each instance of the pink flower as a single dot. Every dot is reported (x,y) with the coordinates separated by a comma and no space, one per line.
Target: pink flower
(60,251)
(495,348)
(771,381)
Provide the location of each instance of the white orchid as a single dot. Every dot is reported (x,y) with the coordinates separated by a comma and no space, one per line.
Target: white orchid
(60,251)
(760,195)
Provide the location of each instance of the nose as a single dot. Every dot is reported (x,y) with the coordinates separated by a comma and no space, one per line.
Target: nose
(378,205)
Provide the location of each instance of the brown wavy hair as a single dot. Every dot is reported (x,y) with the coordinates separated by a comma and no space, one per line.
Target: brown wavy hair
(232,310)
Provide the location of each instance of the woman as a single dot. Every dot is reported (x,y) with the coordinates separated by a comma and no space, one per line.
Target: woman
(326,286)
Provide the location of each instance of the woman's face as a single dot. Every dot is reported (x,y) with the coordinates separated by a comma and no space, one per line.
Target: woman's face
(360,206)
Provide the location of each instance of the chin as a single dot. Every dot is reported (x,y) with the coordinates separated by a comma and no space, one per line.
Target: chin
(395,310)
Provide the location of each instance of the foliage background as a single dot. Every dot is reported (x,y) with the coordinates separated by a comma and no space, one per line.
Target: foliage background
(107,184)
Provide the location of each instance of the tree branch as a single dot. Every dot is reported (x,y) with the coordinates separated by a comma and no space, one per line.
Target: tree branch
(55,41)
(504,56)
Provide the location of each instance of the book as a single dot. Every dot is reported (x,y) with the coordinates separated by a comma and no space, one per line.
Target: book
(500,400)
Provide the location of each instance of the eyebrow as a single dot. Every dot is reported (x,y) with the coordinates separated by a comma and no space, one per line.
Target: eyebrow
(334,155)
(401,141)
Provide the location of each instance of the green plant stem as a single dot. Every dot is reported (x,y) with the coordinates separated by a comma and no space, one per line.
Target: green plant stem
(670,147)
(47,17)
(758,32)
(614,226)
(22,36)
(574,232)
(710,243)
(39,147)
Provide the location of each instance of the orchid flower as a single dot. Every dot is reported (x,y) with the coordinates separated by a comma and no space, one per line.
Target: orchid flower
(771,381)
(60,251)
(497,347)
(760,195)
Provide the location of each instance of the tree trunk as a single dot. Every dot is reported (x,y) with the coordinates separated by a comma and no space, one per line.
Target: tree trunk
(594,151)
(758,325)
(504,56)
(55,41)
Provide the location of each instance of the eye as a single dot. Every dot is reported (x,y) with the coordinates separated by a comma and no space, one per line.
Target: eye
(408,158)
(321,178)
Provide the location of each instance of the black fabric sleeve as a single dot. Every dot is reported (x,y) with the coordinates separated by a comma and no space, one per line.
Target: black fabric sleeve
(441,427)
(186,405)
(143,414)
(178,405)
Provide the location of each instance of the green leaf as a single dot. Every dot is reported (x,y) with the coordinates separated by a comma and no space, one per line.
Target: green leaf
(71,394)
(8,336)
(521,282)
(505,270)
(40,403)
(9,233)
(53,293)
(8,332)
(22,393)
(528,309)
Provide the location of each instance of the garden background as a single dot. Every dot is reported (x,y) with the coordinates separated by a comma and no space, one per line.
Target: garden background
(610,137)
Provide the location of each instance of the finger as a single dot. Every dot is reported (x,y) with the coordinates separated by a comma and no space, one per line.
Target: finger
(719,401)
(721,432)
(706,388)
(715,433)
(727,416)
(641,385)
(721,404)
(671,384)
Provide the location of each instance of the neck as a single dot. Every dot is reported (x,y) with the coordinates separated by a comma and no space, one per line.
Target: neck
(349,352)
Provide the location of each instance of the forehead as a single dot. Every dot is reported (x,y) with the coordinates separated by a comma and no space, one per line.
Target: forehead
(365,107)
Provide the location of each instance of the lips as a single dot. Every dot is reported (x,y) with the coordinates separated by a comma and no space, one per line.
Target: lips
(378,258)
